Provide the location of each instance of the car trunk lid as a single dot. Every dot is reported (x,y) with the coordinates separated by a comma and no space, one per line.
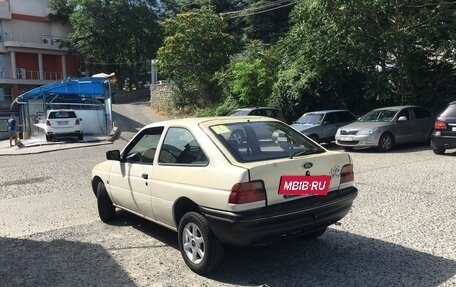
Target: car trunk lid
(322,164)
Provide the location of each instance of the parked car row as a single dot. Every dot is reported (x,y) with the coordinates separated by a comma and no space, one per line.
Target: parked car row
(381,128)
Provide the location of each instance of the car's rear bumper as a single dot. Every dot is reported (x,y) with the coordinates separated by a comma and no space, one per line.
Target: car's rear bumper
(64,134)
(443,141)
(287,219)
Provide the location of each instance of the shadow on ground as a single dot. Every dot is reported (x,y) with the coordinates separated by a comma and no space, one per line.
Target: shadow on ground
(58,263)
(336,259)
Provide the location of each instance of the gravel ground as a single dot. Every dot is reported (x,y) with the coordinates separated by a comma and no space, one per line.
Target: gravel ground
(400,232)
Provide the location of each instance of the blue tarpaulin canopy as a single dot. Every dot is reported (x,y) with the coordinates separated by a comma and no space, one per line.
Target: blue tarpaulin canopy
(83,87)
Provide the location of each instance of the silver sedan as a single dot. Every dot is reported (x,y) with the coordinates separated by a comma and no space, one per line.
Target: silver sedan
(385,127)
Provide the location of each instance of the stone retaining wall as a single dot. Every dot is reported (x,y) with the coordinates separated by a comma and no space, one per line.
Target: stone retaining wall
(161,97)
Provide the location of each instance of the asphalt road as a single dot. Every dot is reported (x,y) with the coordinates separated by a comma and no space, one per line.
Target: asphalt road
(400,232)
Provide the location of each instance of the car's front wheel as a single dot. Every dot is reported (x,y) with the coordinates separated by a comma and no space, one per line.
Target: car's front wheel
(439,150)
(385,143)
(201,249)
(106,210)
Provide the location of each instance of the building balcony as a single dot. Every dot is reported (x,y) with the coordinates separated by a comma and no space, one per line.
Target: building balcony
(24,76)
(48,42)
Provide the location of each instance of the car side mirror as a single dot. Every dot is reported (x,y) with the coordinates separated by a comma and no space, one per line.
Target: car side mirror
(402,119)
(113,155)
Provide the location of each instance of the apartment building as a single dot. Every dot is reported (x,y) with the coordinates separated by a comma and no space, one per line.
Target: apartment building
(30,55)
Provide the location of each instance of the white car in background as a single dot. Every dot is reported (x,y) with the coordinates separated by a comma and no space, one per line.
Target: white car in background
(63,123)
(192,177)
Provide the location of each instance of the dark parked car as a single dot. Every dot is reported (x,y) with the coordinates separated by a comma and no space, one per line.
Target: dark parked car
(259,111)
(321,126)
(444,135)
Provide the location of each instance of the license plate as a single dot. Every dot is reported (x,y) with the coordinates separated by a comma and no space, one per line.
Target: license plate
(453,129)
(62,123)
(304,184)
(346,138)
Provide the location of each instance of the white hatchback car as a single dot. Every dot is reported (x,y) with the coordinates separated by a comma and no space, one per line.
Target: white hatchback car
(63,123)
(189,176)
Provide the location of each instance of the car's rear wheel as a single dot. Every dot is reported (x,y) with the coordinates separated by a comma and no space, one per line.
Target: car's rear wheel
(201,249)
(106,210)
(48,138)
(385,143)
(439,150)
(314,235)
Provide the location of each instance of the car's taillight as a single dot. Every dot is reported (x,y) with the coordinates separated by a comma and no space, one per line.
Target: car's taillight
(77,122)
(48,123)
(245,192)
(347,174)
(440,125)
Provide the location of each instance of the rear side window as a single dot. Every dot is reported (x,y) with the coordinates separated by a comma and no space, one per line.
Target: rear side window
(421,113)
(181,147)
(62,115)
(450,111)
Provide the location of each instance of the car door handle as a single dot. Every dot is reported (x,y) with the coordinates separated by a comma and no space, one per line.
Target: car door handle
(145,176)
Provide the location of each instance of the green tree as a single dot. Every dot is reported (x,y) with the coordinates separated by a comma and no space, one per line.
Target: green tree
(249,77)
(196,46)
(361,54)
(265,20)
(113,35)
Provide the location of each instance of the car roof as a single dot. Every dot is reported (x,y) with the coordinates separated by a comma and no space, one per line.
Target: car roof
(255,108)
(61,110)
(397,107)
(326,111)
(210,121)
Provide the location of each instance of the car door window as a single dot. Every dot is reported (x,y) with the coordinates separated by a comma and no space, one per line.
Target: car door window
(180,147)
(143,148)
(345,117)
(330,119)
(405,113)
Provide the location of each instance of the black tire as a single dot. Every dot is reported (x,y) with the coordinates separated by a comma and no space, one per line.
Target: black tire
(194,236)
(80,137)
(385,143)
(439,150)
(106,210)
(238,136)
(314,235)
(48,138)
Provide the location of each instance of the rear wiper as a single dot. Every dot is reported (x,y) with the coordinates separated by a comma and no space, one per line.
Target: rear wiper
(306,152)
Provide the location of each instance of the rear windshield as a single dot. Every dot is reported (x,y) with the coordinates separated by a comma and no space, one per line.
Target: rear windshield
(257,141)
(450,111)
(62,115)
